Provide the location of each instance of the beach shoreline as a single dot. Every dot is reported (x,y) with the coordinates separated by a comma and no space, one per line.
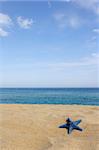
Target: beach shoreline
(35,127)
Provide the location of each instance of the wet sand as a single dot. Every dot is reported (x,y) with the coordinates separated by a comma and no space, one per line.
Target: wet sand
(35,127)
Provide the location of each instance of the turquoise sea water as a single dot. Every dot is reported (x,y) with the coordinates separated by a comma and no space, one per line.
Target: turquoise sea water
(80,96)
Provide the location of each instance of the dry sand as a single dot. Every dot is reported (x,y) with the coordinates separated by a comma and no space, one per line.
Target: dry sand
(35,127)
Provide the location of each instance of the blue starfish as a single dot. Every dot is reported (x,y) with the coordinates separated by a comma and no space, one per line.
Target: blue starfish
(71,125)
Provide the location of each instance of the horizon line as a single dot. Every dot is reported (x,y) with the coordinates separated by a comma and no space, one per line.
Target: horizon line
(49,87)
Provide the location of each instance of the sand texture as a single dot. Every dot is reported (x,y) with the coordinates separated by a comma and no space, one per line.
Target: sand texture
(35,127)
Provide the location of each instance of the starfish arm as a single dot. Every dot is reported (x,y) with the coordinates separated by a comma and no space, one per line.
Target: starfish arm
(77,122)
(77,128)
(70,130)
(63,126)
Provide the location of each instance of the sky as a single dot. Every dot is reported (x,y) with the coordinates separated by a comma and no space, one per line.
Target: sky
(49,43)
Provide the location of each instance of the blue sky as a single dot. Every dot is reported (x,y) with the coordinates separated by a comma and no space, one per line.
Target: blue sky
(49,43)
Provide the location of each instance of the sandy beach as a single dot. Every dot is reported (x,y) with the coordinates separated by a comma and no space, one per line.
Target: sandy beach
(35,127)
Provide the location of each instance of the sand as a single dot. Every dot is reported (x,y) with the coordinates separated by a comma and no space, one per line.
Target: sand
(35,127)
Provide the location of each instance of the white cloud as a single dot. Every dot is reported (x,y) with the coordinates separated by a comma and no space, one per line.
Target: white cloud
(3,33)
(96,30)
(5,20)
(24,23)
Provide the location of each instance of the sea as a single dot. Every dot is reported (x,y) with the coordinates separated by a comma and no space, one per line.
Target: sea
(79,96)
(65,96)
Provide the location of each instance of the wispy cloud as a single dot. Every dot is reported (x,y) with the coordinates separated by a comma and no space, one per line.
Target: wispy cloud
(92,60)
(49,4)
(86,61)
(68,20)
(67,0)
(3,33)
(92,42)
(96,30)
(72,18)
(5,23)
(24,23)
(87,4)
